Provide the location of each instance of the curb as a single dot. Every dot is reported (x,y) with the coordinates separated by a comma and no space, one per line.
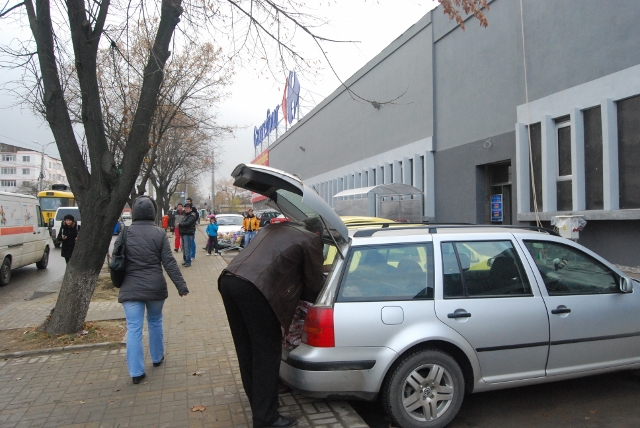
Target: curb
(63,349)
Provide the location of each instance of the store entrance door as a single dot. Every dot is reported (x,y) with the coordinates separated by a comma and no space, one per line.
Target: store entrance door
(498,193)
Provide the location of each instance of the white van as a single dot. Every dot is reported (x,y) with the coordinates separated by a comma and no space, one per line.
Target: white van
(23,234)
(55,223)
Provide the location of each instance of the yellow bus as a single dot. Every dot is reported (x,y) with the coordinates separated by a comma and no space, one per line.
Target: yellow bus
(51,200)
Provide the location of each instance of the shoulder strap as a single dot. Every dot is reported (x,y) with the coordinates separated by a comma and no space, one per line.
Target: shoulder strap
(124,237)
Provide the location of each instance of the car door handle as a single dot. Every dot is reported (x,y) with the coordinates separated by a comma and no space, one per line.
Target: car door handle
(459,315)
(560,310)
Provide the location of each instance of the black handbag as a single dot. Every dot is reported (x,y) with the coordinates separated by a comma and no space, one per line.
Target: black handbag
(118,262)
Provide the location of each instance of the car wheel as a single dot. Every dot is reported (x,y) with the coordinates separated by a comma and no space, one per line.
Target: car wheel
(5,271)
(44,261)
(56,244)
(425,389)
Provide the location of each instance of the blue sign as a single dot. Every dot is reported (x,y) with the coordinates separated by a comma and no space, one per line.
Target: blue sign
(267,126)
(496,208)
(293,96)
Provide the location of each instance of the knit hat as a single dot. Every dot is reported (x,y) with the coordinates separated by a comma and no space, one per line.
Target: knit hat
(69,217)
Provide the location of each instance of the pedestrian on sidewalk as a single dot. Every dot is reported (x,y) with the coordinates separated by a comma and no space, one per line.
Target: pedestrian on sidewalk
(147,250)
(179,215)
(250,224)
(260,289)
(195,212)
(68,235)
(188,232)
(212,233)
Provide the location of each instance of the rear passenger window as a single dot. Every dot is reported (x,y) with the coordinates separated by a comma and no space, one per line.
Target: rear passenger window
(392,272)
(482,269)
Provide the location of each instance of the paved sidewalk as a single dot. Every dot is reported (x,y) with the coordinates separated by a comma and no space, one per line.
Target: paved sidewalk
(92,388)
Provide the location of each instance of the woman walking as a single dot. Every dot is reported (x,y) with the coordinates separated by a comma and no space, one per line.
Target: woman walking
(147,250)
(212,233)
(68,235)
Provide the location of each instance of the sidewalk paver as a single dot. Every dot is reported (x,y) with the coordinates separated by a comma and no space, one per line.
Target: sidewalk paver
(92,388)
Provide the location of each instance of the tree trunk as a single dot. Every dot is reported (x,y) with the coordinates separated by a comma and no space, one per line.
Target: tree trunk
(101,193)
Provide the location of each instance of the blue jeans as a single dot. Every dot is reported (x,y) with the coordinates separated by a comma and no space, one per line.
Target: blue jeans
(187,248)
(193,247)
(134,312)
(248,236)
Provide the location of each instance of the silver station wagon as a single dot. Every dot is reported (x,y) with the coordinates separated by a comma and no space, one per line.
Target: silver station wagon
(419,315)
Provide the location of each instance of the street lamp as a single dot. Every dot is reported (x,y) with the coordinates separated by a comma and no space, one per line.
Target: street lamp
(42,163)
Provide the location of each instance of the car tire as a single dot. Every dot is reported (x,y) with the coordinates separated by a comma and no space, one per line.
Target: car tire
(5,272)
(44,261)
(56,244)
(438,375)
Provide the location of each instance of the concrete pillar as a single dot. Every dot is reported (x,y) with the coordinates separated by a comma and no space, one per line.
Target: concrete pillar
(577,160)
(610,179)
(522,169)
(549,142)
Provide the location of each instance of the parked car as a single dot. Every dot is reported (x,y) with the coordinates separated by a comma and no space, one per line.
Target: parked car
(229,223)
(418,315)
(56,222)
(126,215)
(264,216)
(23,234)
(279,219)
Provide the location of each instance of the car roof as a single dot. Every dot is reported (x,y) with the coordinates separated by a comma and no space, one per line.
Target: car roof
(412,229)
(228,215)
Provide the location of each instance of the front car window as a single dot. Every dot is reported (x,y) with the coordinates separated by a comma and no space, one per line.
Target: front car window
(482,269)
(229,221)
(390,272)
(567,270)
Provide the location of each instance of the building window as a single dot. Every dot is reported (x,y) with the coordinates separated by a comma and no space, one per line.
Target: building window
(629,152)
(593,158)
(26,158)
(7,171)
(8,158)
(410,172)
(8,183)
(26,183)
(49,164)
(26,171)
(564,179)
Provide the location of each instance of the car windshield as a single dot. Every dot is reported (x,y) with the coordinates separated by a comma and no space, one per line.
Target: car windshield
(75,212)
(230,221)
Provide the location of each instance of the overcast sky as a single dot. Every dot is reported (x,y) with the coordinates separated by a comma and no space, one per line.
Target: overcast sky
(375,24)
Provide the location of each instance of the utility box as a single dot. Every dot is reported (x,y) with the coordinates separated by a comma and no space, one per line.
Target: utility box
(569,226)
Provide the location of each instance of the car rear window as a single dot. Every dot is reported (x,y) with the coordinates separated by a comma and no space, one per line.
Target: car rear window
(390,272)
(230,221)
(75,212)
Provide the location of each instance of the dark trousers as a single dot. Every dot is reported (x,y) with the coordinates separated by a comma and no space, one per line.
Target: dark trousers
(212,244)
(258,339)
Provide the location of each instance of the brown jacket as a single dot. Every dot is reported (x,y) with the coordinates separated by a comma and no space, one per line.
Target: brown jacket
(284,261)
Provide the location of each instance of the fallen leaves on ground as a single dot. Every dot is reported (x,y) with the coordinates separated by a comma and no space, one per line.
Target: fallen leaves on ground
(17,340)
(198,408)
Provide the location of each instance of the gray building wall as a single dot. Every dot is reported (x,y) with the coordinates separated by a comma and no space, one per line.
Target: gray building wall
(461,89)
(403,71)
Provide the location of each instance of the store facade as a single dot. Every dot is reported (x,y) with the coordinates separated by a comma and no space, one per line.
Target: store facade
(465,116)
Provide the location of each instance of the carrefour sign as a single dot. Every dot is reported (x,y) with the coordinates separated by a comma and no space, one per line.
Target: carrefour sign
(267,126)
(289,105)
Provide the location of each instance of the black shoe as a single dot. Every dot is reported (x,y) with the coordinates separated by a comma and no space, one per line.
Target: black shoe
(175,249)
(136,379)
(159,363)
(284,422)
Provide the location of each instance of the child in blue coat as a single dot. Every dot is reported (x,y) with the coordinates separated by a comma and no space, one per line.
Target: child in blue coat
(212,233)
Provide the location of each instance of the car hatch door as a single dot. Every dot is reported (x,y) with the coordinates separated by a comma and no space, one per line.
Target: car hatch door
(289,195)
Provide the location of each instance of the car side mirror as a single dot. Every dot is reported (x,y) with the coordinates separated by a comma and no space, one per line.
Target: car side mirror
(626,284)
(50,222)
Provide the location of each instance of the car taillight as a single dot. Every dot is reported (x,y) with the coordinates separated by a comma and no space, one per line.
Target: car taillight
(318,328)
